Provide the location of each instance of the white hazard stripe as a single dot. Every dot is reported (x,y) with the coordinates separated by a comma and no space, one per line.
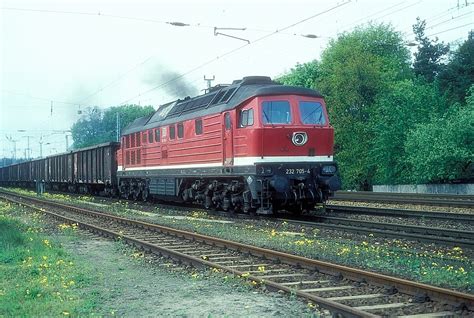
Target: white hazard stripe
(238,161)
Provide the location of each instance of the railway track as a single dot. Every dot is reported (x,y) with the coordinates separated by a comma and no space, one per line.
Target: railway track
(411,232)
(338,289)
(426,234)
(443,216)
(464,201)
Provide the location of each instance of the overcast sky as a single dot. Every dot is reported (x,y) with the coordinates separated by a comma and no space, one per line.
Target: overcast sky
(76,54)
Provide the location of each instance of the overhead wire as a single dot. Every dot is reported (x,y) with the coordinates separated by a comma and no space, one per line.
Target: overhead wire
(451,29)
(233,51)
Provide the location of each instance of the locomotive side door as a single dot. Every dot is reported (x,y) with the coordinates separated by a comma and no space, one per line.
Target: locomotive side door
(227,140)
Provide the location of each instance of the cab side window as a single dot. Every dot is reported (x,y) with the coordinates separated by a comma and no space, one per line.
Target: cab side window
(246,117)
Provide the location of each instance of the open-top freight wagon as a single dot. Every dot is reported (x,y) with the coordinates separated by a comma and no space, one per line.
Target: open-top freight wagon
(87,170)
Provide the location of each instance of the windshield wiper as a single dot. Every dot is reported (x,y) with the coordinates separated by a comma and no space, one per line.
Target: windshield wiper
(310,114)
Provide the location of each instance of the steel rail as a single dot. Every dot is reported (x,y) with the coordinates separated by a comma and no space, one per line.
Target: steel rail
(408,229)
(364,197)
(392,230)
(446,216)
(402,285)
(439,196)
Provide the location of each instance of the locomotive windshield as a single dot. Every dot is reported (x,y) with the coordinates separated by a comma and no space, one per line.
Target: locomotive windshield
(312,113)
(276,112)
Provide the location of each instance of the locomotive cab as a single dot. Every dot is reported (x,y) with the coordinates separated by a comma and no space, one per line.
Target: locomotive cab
(290,142)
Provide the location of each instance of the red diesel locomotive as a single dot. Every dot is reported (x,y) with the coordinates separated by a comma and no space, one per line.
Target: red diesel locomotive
(252,146)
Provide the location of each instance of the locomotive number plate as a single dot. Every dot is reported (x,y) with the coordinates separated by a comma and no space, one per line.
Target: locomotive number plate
(297,171)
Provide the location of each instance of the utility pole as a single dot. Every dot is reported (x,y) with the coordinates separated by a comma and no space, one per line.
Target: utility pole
(67,142)
(28,146)
(9,138)
(117,119)
(41,146)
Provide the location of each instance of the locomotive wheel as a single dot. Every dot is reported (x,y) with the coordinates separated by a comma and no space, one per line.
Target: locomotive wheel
(208,203)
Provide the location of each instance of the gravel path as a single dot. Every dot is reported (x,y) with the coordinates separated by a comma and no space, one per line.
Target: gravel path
(137,286)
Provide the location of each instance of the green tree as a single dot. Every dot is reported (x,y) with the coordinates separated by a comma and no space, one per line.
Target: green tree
(459,73)
(304,75)
(443,149)
(355,70)
(407,103)
(98,126)
(428,59)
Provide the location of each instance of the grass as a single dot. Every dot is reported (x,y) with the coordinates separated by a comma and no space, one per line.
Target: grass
(37,277)
(450,267)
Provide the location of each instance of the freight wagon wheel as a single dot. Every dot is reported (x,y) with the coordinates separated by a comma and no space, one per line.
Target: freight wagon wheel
(135,195)
(144,195)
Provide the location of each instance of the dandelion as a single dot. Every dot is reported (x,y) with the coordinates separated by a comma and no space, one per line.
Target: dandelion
(244,275)
(254,283)
(216,270)
(44,280)
(45,257)
(63,226)
(65,313)
(261,268)
(195,275)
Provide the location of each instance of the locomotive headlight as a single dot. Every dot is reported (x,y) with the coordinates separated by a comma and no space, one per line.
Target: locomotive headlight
(299,138)
(329,170)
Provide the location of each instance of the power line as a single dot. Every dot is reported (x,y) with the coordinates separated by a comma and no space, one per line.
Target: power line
(38,98)
(455,28)
(233,51)
(373,14)
(450,20)
(102,14)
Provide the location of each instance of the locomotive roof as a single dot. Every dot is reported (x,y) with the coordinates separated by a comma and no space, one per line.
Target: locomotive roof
(219,99)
